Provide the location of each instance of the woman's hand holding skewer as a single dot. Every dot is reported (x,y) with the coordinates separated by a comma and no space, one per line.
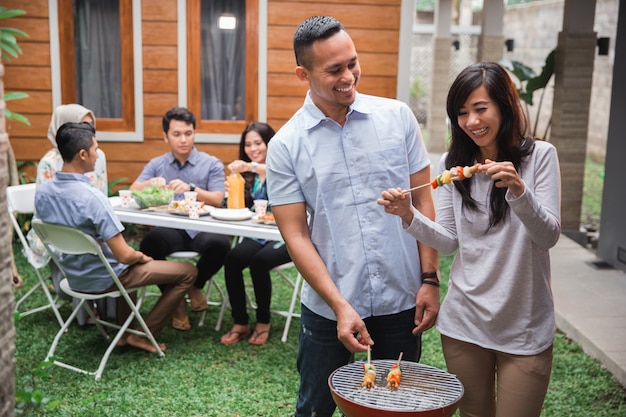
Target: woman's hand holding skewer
(396,202)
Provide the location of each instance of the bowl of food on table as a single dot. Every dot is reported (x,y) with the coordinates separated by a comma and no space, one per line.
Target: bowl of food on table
(153,196)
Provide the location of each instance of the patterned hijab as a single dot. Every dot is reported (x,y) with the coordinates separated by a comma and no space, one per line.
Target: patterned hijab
(67,113)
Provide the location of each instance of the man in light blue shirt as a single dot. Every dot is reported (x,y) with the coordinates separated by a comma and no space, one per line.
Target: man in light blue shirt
(70,200)
(183,169)
(332,159)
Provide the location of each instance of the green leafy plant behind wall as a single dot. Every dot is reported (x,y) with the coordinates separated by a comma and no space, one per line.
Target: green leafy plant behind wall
(10,49)
(530,82)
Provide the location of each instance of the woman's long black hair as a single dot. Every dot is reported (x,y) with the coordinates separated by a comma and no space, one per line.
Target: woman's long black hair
(511,140)
(266,132)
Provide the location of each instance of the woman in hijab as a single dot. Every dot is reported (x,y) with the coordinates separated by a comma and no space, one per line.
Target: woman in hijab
(52,161)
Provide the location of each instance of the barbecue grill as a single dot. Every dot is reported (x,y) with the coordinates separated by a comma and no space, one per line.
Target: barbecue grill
(424,391)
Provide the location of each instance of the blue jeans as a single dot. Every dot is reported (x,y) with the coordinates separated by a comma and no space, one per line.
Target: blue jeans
(320,352)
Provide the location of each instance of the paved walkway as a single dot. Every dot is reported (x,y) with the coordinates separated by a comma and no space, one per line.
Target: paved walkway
(590,302)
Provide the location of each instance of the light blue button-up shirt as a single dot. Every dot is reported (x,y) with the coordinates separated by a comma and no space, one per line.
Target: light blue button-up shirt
(339,173)
(201,169)
(70,200)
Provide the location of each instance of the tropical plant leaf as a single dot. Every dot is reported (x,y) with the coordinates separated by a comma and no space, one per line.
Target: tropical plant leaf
(15,32)
(530,82)
(10,49)
(16,116)
(540,81)
(15,95)
(7,14)
(7,37)
(521,71)
(113,183)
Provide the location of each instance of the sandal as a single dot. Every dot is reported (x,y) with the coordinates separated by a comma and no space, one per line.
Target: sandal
(198,304)
(181,324)
(260,338)
(238,336)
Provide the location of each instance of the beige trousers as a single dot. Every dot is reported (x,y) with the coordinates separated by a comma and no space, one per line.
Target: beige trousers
(174,278)
(498,384)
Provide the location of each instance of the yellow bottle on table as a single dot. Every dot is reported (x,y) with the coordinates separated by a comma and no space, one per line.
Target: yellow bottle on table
(236,189)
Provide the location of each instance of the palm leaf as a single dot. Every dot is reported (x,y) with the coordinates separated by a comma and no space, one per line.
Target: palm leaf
(7,14)
(10,49)
(15,95)
(16,116)
(14,32)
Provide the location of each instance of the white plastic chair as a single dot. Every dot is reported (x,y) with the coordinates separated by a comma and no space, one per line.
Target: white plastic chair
(60,239)
(21,200)
(288,314)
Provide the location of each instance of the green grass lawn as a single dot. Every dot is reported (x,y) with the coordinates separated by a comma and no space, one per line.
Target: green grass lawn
(592,193)
(200,377)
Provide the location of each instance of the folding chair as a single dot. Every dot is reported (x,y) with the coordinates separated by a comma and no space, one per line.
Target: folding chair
(288,314)
(60,239)
(295,293)
(223,300)
(21,200)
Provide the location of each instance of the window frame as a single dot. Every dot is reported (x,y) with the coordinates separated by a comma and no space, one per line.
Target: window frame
(128,128)
(193,75)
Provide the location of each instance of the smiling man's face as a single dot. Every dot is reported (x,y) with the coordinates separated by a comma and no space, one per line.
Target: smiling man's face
(334,73)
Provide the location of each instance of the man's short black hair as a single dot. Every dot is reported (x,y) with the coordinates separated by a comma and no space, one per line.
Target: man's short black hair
(72,137)
(178,113)
(309,31)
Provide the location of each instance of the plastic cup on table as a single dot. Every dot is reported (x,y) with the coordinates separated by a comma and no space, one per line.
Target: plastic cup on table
(194,209)
(260,207)
(125,197)
(190,196)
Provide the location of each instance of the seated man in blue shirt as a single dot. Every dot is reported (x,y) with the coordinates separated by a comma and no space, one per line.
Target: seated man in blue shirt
(70,200)
(186,169)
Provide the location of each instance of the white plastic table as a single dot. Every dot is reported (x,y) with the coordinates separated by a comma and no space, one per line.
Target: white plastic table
(244,228)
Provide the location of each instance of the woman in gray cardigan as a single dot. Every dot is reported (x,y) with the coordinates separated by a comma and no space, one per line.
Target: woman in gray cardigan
(497,321)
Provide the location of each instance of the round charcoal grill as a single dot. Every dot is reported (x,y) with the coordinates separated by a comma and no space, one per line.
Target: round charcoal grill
(424,391)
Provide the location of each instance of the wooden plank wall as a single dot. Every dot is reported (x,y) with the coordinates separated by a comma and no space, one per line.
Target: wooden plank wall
(30,73)
(373,24)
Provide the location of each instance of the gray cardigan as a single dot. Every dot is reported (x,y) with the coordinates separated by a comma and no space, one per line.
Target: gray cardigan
(499,294)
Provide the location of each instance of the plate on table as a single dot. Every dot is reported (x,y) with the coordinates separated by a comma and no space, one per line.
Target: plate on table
(265,219)
(181,208)
(231,214)
(204,211)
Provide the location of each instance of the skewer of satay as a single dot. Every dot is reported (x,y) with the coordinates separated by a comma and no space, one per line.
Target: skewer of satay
(458,173)
(394,375)
(370,372)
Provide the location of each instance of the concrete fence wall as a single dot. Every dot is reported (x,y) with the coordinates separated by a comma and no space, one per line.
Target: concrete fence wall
(534,28)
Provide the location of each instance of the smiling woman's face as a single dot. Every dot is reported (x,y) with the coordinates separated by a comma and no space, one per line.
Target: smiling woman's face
(480,119)
(255,147)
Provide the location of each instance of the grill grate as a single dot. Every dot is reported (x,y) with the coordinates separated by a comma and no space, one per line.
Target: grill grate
(422,388)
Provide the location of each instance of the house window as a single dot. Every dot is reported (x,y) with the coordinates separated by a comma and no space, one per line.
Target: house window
(222,63)
(96,45)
